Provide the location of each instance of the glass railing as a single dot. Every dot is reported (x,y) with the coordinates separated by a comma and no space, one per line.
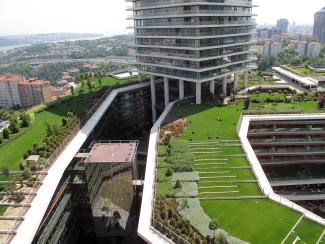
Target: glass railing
(188,23)
(155,3)
(142,14)
(192,33)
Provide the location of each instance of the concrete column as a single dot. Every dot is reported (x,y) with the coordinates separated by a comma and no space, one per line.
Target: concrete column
(224,86)
(245,78)
(153,98)
(235,82)
(212,86)
(198,93)
(181,89)
(166,91)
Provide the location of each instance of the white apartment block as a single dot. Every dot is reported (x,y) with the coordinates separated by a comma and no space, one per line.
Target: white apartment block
(272,48)
(9,94)
(301,48)
(313,49)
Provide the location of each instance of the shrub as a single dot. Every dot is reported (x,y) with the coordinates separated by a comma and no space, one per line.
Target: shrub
(27,174)
(178,184)
(6,134)
(169,172)
(180,157)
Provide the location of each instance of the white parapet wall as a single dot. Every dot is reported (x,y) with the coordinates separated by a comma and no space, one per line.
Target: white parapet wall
(33,218)
(145,230)
(257,168)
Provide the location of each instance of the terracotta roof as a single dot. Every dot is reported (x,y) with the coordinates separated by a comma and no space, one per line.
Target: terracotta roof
(11,78)
(34,82)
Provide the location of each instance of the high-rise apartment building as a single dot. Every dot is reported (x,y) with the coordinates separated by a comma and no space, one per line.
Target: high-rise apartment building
(15,91)
(9,95)
(192,41)
(282,25)
(33,92)
(319,25)
(311,49)
(272,48)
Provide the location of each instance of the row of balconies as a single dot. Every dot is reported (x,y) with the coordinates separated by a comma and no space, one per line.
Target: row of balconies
(191,64)
(178,12)
(197,32)
(190,54)
(192,43)
(167,23)
(192,74)
(158,3)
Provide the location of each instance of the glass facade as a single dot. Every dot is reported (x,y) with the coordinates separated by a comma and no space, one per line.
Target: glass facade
(192,39)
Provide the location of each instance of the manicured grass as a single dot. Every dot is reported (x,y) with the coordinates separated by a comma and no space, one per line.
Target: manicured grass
(307,231)
(209,126)
(303,71)
(244,189)
(255,221)
(12,153)
(306,106)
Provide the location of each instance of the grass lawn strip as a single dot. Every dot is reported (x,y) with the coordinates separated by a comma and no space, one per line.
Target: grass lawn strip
(307,231)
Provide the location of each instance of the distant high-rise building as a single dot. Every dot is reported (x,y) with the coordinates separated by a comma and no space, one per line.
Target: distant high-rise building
(319,25)
(302,47)
(282,25)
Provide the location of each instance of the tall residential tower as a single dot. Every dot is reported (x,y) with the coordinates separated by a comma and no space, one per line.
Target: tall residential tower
(319,26)
(194,41)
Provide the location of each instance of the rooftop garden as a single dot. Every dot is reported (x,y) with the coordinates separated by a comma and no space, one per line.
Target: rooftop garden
(212,196)
(303,70)
(42,129)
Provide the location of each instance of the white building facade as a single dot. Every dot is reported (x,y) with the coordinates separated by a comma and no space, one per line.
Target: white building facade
(9,93)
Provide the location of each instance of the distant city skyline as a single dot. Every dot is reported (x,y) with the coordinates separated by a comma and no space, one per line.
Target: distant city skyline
(109,16)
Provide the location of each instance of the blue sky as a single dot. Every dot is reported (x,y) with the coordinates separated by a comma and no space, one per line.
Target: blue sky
(109,16)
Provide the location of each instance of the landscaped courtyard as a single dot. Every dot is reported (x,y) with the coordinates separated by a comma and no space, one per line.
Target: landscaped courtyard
(223,183)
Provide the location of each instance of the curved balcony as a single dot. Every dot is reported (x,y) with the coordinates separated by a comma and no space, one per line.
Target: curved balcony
(183,24)
(188,13)
(158,4)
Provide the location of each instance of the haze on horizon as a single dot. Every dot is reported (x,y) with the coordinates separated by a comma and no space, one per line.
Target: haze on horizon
(109,16)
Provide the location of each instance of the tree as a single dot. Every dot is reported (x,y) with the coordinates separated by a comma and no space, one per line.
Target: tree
(100,82)
(213,225)
(14,126)
(6,133)
(89,84)
(27,174)
(178,184)
(5,171)
(169,172)
(247,103)
(264,63)
(72,90)
(296,61)
(25,120)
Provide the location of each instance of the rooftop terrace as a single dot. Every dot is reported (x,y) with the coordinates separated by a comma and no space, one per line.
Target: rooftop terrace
(224,185)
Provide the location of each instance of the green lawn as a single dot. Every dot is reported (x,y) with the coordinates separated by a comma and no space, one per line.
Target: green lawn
(303,71)
(307,231)
(255,221)
(199,129)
